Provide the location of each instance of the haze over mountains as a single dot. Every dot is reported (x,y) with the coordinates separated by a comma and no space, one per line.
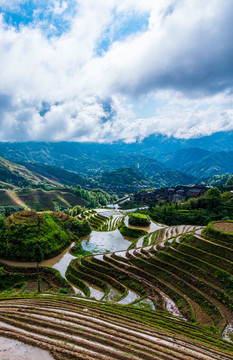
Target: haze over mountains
(161,160)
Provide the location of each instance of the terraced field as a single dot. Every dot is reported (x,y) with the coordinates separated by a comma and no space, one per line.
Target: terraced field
(184,273)
(180,271)
(102,220)
(78,329)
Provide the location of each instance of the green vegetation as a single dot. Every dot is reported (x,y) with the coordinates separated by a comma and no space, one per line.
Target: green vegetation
(77,250)
(196,211)
(20,232)
(95,197)
(18,278)
(38,256)
(138,219)
(14,174)
(223,182)
(130,232)
(40,200)
(123,176)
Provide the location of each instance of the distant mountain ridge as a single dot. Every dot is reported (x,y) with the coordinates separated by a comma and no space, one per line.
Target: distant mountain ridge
(162,160)
(201,163)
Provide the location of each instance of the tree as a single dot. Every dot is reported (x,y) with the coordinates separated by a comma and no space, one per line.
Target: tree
(213,197)
(38,256)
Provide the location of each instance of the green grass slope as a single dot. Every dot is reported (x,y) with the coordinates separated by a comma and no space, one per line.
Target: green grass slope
(33,175)
(39,199)
(20,232)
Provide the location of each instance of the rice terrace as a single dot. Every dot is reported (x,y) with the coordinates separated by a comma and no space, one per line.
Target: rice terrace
(166,293)
(116,180)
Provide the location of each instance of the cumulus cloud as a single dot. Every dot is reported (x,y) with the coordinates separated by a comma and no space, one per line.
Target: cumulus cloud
(174,76)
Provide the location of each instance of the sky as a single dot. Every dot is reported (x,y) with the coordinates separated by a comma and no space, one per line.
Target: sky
(110,70)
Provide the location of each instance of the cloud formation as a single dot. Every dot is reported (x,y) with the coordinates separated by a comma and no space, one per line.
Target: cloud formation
(109,70)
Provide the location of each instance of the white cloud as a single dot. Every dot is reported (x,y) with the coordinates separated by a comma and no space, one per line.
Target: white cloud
(182,63)
(59,7)
(11,4)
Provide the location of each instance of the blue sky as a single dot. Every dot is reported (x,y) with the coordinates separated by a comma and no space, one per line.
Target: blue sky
(109,70)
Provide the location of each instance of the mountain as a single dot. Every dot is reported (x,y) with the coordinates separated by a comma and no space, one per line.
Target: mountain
(184,159)
(39,199)
(155,146)
(172,178)
(88,160)
(201,163)
(123,176)
(25,174)
(152,157)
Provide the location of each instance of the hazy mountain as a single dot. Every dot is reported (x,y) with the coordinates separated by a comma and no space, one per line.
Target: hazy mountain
(201,163)
(154,146)
(153,156)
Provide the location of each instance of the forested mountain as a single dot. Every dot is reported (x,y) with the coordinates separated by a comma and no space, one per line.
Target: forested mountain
(123,176)
(201,163)
(88,161)
(34,175)
(154,158)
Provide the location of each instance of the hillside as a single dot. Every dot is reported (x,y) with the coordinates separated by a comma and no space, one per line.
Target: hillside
(20,232)
(201,163)
(224,182)
(196,211)
(35,175)
(172,178)
(123,176)
(88,160)
(39,199)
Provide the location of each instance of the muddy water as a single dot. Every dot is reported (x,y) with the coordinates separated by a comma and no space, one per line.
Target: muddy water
(108,213)
(15,350)
(152,227)
(59,262)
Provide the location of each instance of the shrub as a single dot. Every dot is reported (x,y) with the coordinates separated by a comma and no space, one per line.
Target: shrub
(139,219)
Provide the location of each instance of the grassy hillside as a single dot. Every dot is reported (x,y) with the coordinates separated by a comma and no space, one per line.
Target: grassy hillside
(20,232)
(35,175)
(39,199)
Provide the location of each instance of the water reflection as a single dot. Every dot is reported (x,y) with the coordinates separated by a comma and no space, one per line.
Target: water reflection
(99,242)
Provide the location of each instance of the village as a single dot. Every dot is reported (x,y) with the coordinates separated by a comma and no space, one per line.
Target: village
(171,194)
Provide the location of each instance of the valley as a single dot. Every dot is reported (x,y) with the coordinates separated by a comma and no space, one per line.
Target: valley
(126,270)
